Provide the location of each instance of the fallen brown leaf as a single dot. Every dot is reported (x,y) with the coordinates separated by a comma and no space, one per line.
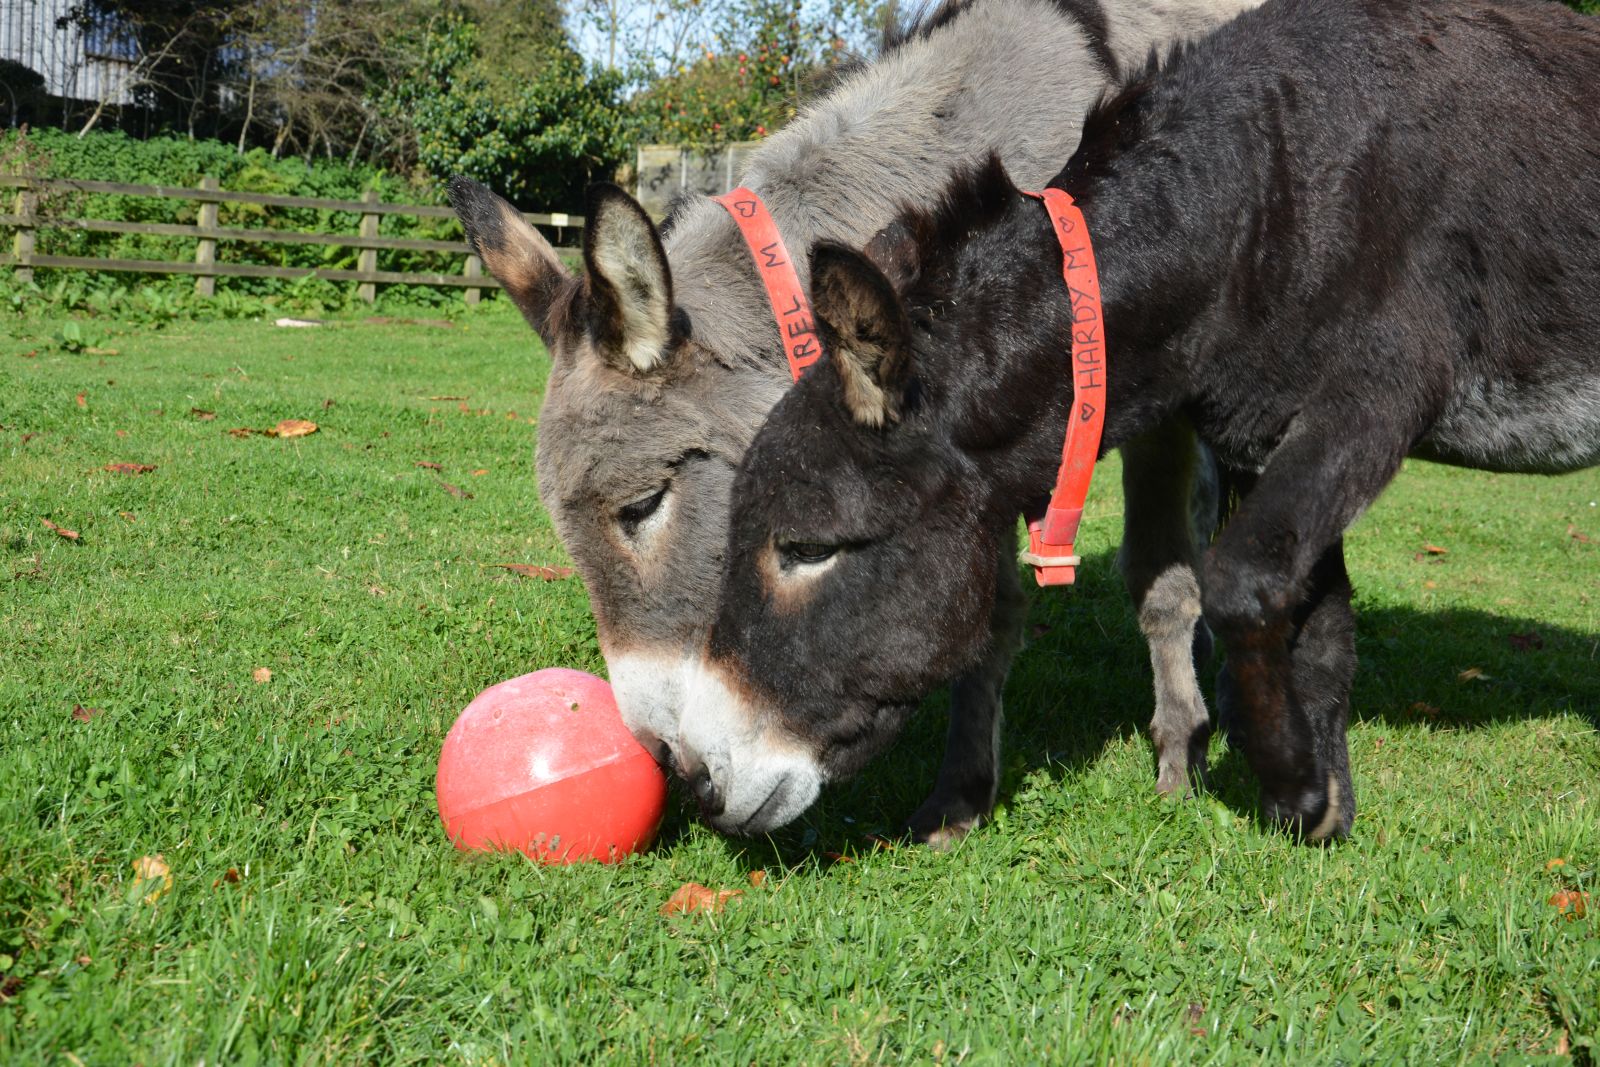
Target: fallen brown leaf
(240,431)
(1563,1045)
(1434,550)
(122,433)
(202,414)
(1472,674)
(292,428)
(151,869)
(1553,864)
(128,516)
(1197,1011)
(530,570)
(262,675)
(1528,642)
(28,437)
(428,465)
(129,468)
(83,714)
(1571,904)
(231,876)
(455,490)
(83,400)
(692,897)
(757,879)
(1580,537)
(70,535)
(480,472)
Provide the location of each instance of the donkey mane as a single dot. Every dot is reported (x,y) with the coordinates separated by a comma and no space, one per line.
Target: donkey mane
(921,20)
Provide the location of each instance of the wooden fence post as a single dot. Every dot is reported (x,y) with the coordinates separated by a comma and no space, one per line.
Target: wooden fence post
(473,269)
(22,244)
(368,260)
(205,249)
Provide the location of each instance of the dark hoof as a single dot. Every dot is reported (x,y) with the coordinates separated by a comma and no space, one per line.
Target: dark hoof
(942,821)
(1312,815)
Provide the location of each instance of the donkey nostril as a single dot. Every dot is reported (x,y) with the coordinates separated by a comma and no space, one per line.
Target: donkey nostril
(705,792)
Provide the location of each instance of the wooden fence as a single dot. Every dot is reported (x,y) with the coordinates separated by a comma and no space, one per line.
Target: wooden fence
(26,219)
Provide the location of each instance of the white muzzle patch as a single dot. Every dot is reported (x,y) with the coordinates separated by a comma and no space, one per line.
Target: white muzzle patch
(649,692)
(763,779)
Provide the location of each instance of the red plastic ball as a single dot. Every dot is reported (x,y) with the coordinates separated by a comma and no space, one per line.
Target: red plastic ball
(543,763)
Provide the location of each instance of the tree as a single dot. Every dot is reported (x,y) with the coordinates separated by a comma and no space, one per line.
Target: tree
(538,139)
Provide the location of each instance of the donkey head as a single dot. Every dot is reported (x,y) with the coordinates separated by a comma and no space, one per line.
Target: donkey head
(861,562)
(641,432)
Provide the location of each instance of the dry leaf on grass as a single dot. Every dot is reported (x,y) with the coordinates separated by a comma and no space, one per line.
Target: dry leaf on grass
(480,472)
(129,468)
(530,570)
(83,714)
(1571,904)
(429,465)
(231,877)
(202,414)
(262,675)
(70,535)
(1434,550)
(240,431)
(1581,537)
(148,869)
(692,897)
(83,400)
(758,879)
(292,428)
(454,490)
(1553,864)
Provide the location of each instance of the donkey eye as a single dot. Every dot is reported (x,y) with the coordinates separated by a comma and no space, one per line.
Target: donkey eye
(629,516)
(806,552)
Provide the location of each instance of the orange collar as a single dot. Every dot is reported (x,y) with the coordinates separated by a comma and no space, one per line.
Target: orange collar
(1051,535)
(790,309)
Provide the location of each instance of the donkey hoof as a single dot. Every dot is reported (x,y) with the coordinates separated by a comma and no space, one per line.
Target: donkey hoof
(939,823)
(1312,815)
(1172,778)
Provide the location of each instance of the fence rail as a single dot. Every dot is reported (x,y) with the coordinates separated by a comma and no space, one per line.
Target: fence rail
(26,220)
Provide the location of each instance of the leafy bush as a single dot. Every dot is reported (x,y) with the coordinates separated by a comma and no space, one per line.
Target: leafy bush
(538,142)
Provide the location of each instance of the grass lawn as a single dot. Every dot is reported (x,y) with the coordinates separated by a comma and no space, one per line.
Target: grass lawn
(316,913)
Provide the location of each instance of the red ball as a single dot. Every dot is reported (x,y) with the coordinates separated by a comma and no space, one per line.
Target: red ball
(543,763)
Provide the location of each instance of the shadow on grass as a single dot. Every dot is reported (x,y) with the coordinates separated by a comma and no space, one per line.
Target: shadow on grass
(1083,681)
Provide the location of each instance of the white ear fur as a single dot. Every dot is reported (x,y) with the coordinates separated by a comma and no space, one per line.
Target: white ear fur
(626,254)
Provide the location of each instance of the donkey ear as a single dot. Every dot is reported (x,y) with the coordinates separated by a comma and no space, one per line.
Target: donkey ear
(630,287)
(515,254)
(867,331)
(897,251)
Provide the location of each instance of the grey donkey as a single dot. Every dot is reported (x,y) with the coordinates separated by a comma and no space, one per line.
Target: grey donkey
(666,361)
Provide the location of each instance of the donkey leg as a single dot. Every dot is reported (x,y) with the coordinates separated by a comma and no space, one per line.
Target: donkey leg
(963,795)
(1274,579)
(1158,561)
(1324,657)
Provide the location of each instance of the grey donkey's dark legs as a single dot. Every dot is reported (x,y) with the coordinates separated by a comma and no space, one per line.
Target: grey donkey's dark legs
(964,793)
(1170,509)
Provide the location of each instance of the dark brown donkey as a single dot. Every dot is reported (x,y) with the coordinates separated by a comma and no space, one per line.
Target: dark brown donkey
(1333,234)
(666,360)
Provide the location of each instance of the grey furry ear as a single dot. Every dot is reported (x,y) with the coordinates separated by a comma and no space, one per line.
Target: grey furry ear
(515,253)
(868,334)
(630,286)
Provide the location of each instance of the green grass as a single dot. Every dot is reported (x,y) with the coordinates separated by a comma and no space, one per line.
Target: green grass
(1092,921)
